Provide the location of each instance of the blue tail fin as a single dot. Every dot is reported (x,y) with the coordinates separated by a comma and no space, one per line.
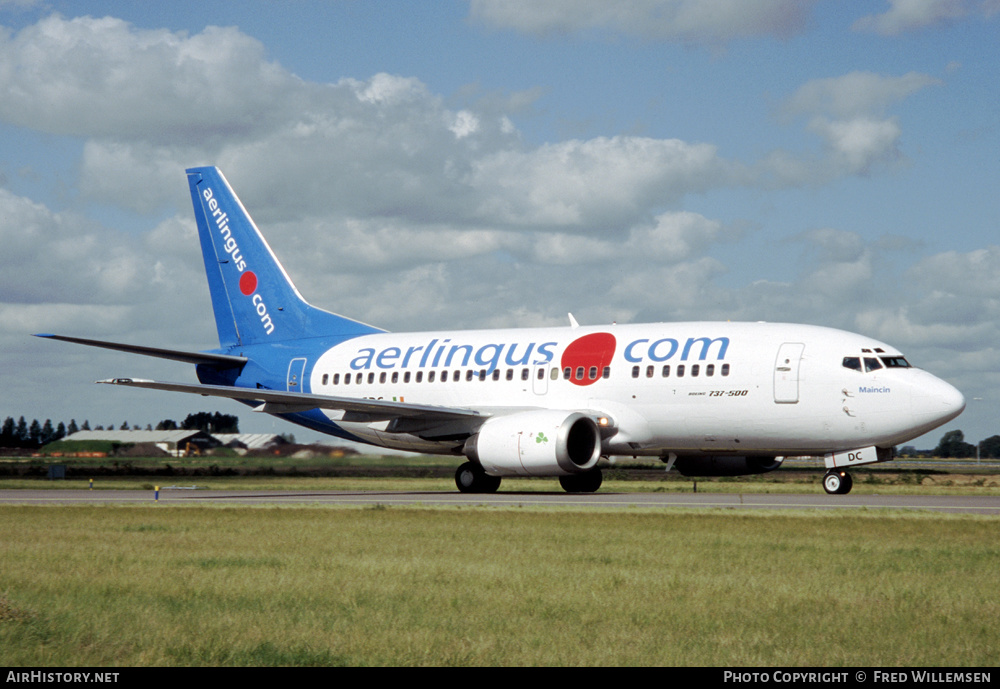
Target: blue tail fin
(253,298)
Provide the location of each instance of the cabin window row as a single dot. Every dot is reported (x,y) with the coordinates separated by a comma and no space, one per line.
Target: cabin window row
(433,376)
(680,371)
(568,373)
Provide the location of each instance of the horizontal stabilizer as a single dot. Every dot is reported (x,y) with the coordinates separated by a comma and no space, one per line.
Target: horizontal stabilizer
(300,401)
(217,360)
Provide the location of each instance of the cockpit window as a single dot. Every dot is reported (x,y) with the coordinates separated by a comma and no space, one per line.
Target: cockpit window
(872,364)
(852,362)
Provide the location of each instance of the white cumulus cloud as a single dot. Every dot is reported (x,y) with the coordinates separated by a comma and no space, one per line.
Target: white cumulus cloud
(849,113)
(690,21)
(856,94)
(908,15)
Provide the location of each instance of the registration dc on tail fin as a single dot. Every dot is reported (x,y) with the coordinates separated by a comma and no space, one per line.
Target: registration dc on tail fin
(708,398)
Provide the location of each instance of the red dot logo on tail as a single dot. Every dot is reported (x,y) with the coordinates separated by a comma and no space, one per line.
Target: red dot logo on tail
(590,351)
(248,283)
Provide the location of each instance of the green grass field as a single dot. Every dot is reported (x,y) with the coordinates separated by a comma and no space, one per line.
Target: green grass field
(150,585)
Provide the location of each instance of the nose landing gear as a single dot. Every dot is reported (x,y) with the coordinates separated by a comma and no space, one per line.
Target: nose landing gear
(837,482)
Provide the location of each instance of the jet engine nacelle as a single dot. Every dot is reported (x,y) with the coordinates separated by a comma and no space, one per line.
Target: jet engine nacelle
(726,466)
(536,443)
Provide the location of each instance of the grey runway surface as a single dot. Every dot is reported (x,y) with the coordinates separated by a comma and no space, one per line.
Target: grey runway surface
(815,501)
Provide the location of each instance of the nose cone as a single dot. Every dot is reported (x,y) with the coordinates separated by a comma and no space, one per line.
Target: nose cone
(952,401)
(939,403)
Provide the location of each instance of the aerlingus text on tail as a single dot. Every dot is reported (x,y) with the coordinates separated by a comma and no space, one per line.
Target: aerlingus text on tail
(248,279)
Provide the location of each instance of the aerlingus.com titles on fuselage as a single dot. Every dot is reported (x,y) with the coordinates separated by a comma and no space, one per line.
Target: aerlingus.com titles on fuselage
(444,352)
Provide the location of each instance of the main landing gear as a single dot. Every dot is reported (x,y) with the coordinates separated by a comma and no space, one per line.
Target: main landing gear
(837,482)
(588,482)
(470,478)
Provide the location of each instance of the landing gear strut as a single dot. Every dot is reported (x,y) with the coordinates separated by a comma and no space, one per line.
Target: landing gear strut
(837,483)
(470,478)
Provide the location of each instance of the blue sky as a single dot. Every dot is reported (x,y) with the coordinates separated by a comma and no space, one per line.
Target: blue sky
(500,163)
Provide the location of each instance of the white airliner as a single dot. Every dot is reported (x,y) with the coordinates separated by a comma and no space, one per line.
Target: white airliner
(707,398)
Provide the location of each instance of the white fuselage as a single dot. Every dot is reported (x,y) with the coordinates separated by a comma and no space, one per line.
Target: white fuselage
(686,388)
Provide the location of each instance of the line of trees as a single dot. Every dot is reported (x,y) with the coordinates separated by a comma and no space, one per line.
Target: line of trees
(203,421)
(953,445)
(22,435)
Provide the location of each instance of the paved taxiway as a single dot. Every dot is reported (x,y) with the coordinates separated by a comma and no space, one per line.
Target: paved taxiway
(814,501)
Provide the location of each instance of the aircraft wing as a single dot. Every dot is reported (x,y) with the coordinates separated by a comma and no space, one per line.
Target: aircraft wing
(279,402)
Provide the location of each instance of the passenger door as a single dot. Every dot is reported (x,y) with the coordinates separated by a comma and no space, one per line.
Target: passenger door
(786,373)
(296,369)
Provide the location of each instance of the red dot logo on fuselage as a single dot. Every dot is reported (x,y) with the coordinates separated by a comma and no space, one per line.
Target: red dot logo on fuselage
(248,283)
(587,356)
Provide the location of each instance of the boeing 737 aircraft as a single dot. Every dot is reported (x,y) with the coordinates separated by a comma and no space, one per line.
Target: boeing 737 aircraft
(706,398)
